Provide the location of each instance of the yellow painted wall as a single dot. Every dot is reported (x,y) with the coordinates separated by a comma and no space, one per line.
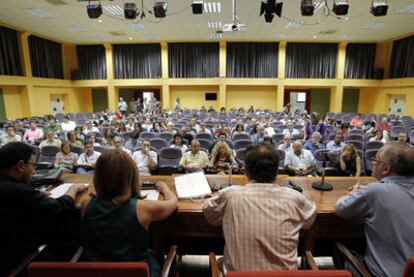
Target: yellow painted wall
(12,96)
(263,97)
(70,59)
(193,96)
(75,100)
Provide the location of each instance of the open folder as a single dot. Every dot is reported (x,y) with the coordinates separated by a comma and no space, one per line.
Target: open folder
(192,185)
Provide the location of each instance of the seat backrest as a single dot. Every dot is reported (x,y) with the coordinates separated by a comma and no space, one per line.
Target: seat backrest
(49,150)
(242,143)
(167,136)
(204,135)
(146,135)
(409,268)
(241,136)
(158,143)
(291,273)
(88,269)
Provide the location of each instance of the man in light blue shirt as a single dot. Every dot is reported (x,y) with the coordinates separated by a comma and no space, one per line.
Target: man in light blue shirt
(387,209)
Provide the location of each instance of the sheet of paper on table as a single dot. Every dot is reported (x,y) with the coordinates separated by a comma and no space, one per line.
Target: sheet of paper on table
(61,190)
(192,185)
(150,194)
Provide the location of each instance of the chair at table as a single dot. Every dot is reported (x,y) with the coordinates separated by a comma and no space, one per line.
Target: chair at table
(309,264)
(100,269)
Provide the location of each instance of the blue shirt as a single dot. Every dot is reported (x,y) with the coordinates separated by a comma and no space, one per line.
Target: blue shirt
(387,209)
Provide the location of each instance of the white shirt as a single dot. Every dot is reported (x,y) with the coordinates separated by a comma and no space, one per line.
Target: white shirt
(88,160)
(142,161)
(291,133)
(301,161)
(68,126)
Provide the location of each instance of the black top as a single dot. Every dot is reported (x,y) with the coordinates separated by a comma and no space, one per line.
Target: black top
(22,210)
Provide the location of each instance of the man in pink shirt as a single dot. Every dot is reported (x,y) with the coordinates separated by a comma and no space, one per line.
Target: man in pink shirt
(34,134)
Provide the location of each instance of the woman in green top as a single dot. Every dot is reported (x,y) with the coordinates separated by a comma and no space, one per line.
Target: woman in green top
(115,222)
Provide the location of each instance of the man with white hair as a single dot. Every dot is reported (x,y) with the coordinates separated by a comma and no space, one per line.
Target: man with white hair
(314,144)
(146,159)
(290,131)
(118,144)
(299,162)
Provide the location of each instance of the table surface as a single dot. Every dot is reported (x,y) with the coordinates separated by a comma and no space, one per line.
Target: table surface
(325,200)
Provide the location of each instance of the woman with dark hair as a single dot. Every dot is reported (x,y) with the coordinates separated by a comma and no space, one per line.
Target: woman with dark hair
(379,136)
(79,134)
(156,129)
(66,159)
(118,211)
(137,128)
(178,143)
(349,161)
(239,129)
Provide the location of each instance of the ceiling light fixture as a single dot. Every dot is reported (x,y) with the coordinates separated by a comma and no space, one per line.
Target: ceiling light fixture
(307,8)
(379,7)
(340,7)
(269,8)
(94,10)
(197,7)
(160,8)
(130,10)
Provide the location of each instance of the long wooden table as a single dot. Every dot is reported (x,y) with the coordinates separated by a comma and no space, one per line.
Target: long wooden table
(189,221)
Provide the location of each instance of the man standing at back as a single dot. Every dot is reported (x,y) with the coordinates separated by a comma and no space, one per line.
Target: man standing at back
(23,209)
(261,220)
(387,208)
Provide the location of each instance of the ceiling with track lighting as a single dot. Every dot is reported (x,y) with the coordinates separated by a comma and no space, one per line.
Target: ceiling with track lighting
(67,21)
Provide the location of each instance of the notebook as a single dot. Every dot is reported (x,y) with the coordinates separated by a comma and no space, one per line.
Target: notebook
(192,185)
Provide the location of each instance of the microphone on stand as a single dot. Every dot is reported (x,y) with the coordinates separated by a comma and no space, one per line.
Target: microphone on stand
(322,155)
(225,185)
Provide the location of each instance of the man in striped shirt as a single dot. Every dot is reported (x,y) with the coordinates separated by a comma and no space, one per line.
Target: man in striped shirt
(261,220)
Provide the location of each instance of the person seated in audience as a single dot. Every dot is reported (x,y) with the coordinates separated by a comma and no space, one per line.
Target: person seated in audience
(186,135)
(67,124)
(397,119)
(384,126)
(222,137)
(71,135)
(147,126)
(350,163)
(222,158)
(269,140)
(314,144)
(130,125)
(250,109)
(66,159)
(118,144)
(27,214)
(79,135)
(203,128)
(118,202)
(89,128)
(344,128)
(121,129)
(34,134)
(194,125)
(386,207)
(146,159)
(297,119)
(269,130)
(194,160)
(286,146)
(290,131)
(9,136)
(133,143)
(299,162)
(356,122)
(178,143)
(309,126)
(92,138)
(50,140)
(239,129)
(369,125)
(53,126)
(86,161)
(260,135)
(402,138)
(379,136)
(285,119)
(138,128)
(276,214)
(156,129)
(336,145)
(170,128)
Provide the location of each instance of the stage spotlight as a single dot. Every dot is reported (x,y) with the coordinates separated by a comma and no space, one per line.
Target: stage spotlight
(269,8)
(197,7)
(379,8)
(94,11)
(307,7)
(340,7)
(160,9)
(130,10)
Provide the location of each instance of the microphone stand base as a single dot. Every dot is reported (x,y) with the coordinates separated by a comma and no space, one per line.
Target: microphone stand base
(322,186)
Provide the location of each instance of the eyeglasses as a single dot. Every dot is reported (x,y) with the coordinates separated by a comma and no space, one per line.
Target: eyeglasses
(374,160)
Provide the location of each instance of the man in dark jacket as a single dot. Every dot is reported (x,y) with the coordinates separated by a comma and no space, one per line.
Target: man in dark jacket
(22,208)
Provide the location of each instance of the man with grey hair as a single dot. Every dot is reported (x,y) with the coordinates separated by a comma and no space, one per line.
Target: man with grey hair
(290,131)
(314,144)
(118,144)
(299,162)
(146,159)
(387,209)
(194,160)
